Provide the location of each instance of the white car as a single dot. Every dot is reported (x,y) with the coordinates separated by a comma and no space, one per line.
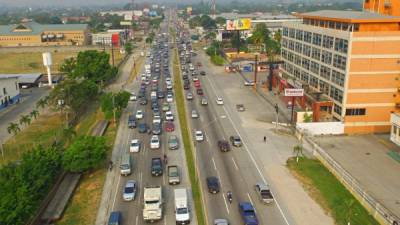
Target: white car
(169,98)
(168,80)
(133,97)
(139,114)
(195,114)
(169,116)
(189,96)
(195,78)
(199,135)
(155,142)
(134,146)
(156,119)
(169,86)
(129,190)
(219,101)
(249,83)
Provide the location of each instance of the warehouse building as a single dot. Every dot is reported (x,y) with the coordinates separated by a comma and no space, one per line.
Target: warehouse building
(9,91)
(35,34)
(348,64)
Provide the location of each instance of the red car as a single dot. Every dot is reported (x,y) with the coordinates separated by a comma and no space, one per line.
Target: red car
(199,91)
(169,126)
(197,84)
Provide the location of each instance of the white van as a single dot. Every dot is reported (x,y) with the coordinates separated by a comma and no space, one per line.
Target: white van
(126,164)
(182,215)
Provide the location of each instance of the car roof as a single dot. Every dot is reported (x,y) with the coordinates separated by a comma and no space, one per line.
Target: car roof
(262,185)
(134,140)
(246,206)
(212,178)
(130,183)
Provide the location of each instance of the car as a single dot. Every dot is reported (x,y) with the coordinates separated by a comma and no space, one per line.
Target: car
(221,222)
(142,128)
(130,190)
(199,91)
(204,101)
(195,79)
(165,107)
(263,192)
(139,114)
(155,142)
(213,184)
(156,166)
(224,146)
(203,73)
(132,121)
(134,146)
(156,119)
(156,128)
(173,142)
(195,114)
(199,135)
(248,213)
(249,83)
(169,116)
(133,97)
(240,108)
(235,141)
(219,101)
(189,96)
(169,126)
(197,84)
(169,98)
(143,101)
(169,86)
(186,86)
(115,218)
(160,94)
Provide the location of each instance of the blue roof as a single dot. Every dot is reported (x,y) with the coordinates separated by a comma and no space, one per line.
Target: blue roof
(33,28)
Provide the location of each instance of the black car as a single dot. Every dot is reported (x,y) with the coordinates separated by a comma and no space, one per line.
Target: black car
(160,94)
(202,73)
(142,127)
(132,121)
(213,185)
(224,146)
(154,105)
(156,167)
(186,86)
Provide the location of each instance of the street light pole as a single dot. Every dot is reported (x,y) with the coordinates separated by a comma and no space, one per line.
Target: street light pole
(277,115)
(113,101)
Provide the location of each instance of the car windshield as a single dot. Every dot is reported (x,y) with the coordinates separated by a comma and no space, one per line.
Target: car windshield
(182,211)
(129,190)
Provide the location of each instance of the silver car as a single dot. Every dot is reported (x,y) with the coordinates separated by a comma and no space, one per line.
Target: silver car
(129,190)
(195,114)
(221,222)
(173,142)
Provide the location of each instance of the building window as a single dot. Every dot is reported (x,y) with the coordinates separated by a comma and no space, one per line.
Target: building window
(307,36)
(290,57)
(327,42)
(291,45)
(305,63)
(292,32)
(4,91)
(304,76)
(313,81)
(339,62)
(296,72)
(298,47)
(337,109)
(299,35)
(355,112)
(285,32)
(317,39)
(338,78)
(316,53)
(325,72)
(284,42)
(324,87)
(326,57)
(297,60)
(307,50)
(336,94)
(341,45)
(314,67)
(284,54)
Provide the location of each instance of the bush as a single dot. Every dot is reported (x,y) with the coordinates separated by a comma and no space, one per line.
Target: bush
(85,153)
(217,60)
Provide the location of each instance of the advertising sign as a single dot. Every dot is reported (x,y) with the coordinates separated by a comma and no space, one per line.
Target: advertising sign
(125,23)
(294,92)
(239,24)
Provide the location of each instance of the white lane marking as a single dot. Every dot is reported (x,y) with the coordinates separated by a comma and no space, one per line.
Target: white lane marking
(234,163)
(248,195)
(250,154)
(165,220)
(137,219)
(226,204)
(215,166)
(116,192)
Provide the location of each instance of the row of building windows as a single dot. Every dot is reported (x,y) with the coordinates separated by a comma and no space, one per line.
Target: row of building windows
(15,38)
(328,42)
(316,68)
(356,112)
(315,53)
(332,24)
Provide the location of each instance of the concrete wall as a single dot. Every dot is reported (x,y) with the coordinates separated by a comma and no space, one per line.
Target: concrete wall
(318,128)
(9,91)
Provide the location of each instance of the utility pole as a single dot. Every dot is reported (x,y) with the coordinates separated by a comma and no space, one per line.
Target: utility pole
(255,71)
(113,101)
(238,41)
(112,52)
(277,115)
(291,116)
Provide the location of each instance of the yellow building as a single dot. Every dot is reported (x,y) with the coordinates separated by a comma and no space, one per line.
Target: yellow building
(352,60)
(35,34)
(387,7)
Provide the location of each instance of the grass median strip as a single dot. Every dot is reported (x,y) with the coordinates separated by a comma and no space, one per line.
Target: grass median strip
(325,189)
(186,142)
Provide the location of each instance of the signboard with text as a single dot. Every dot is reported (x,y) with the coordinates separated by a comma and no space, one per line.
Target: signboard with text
(239,24)
(294,92)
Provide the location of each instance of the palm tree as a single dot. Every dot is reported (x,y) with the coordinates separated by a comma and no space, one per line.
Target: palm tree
(25,119)
(13,128)
(68,133)
(34,113)
(298,150)
(42,103)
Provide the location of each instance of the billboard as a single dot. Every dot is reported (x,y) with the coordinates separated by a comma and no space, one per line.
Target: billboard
(239,24)
(125,23)
(189,10)
(294,92)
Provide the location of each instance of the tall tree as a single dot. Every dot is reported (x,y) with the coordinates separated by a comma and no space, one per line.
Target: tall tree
(25,120)
(34,114)
(42,103)
(13,128)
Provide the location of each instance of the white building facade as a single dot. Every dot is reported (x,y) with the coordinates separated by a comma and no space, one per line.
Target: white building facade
(9,91)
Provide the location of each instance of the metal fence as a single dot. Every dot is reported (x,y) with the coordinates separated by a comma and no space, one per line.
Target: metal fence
(377,210)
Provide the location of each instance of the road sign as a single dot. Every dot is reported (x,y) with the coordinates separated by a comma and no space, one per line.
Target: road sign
(294,92)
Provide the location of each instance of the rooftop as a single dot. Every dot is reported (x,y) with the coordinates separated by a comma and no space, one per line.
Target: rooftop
(350,16)
(33,28)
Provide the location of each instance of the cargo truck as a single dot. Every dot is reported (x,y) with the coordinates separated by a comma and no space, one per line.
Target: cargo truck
(182,215)
(153,201)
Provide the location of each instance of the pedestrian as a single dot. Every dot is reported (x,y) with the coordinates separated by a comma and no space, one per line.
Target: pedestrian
(265,139)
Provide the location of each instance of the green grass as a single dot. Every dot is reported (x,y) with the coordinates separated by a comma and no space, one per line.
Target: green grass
(186,140)
(329,192)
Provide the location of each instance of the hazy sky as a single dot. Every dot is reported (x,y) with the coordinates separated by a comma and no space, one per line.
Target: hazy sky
(29,3)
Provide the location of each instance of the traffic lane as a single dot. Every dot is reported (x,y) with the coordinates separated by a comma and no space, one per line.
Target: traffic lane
(272,212)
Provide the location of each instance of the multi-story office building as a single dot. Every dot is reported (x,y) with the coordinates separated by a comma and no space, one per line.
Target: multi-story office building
(349,59)
(9,90)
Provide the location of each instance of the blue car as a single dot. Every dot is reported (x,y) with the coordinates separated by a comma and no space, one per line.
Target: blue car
(248,213)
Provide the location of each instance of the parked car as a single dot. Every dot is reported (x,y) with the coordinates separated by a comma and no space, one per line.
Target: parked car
(224,146)
(134,146)
(129,190)
(235,141)
(213,184)
(173,142)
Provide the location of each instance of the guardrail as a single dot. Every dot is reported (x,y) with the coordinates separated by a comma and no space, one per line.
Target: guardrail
(377,210)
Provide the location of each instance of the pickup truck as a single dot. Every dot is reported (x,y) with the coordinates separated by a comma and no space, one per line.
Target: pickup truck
(248,213)
(173,175)
(264,192)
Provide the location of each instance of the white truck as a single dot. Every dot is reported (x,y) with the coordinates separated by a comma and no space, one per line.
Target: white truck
(147,68)
(182,215)
(153,201)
